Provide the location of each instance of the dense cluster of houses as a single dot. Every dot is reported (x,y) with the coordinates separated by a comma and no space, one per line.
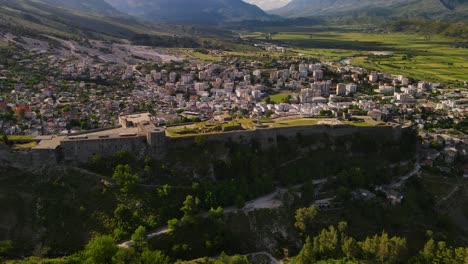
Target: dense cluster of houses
(86,93)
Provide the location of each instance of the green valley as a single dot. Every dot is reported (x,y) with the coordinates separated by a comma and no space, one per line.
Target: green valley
(437,58)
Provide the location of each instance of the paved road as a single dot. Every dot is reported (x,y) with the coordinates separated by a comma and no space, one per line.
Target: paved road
(401,181)
(155,233)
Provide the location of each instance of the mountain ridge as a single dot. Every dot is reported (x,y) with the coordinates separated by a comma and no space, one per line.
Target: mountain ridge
(430,9)
(189,11)
(40,17)
(100,7)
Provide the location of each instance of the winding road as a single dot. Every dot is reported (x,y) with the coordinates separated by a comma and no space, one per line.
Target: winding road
(268,201)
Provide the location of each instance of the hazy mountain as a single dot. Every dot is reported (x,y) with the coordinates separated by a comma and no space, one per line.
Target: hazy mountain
(268,4)
(89,6)
(70,18)
(379,8)
(191,11)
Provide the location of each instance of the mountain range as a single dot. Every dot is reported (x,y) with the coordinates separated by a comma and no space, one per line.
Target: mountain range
(73,18)
(90,6)
(190,11)
(430,9)
(128,18)
(268,4)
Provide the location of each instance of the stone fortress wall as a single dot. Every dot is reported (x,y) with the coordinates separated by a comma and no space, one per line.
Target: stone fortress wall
(267,138)
(140,137)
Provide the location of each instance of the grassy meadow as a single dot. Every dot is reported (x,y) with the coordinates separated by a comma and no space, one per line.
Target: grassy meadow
(435,59)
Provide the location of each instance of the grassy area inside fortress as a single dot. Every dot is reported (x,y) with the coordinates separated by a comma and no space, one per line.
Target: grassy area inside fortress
(207,128)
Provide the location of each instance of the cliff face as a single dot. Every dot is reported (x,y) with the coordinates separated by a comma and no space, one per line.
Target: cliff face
(320,151)
(58,207)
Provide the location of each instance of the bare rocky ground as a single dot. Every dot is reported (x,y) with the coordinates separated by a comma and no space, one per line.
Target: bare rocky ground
(122,53)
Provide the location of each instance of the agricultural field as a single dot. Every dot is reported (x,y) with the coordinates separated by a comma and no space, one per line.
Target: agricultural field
(247,54)
(433,58)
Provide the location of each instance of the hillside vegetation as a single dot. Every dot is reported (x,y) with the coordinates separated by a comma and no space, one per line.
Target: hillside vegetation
(430,28)
(35,18)
(89,6)
(382,9)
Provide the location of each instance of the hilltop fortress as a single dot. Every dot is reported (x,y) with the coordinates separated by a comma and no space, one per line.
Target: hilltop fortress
(139,136)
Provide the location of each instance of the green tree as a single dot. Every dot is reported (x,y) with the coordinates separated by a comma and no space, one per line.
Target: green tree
(236,259)
(125,256)
(268,113)
(382,248)
(139,238)
(5,247)
(172,224)
(5,140)
(164,191)
(154,257)
(305,217)
(429,250)
(327,242)
(216,213)
(124,178)
(119,233)
(350,247)
(189,208)
(307,254)
(100,249)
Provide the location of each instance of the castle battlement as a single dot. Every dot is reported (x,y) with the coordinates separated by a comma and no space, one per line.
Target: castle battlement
(139,135)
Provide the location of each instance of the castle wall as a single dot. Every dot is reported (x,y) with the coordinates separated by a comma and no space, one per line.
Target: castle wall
(155,143)
(267,138)
(27,159)
(82,151)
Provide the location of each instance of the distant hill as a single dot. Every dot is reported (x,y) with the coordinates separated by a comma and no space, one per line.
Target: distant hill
(71,19)
(89,6)
(189,11)
(39,19)
(429,9)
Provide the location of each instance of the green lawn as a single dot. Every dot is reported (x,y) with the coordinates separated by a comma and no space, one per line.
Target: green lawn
(278,98)
(246,123)
(180,131)
(19,137)
(249,124)
(26,145)
(365,123)
(294,122)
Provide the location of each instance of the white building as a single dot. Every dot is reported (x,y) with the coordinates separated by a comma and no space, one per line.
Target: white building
(351,88)
(341,89)
(257,73)
(373,77)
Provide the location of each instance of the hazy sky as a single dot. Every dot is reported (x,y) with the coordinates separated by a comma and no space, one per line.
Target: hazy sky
(268,4)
